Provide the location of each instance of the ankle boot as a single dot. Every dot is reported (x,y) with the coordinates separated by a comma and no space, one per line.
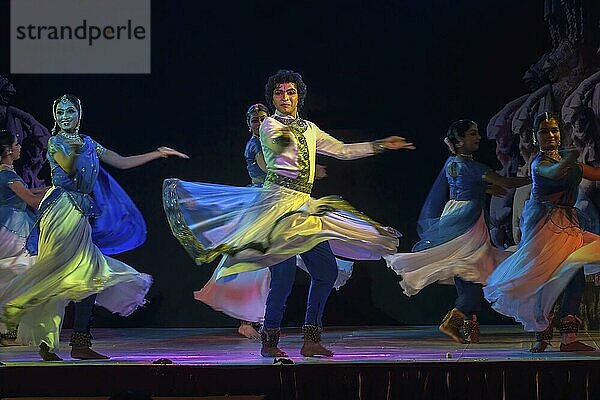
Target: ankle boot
(569,326)
(270,341)
(80,347)
(451,324)
(312,346)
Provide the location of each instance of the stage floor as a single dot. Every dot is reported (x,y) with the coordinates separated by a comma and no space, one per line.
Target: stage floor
(369,363)
(223,346)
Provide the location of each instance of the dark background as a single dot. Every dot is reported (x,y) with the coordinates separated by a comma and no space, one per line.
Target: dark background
(372,69)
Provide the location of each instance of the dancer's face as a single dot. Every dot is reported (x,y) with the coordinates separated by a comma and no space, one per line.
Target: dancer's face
(256,118)
(16,150)
(285,98)
(470,141)
(548,135)
(67,116)
(13,151)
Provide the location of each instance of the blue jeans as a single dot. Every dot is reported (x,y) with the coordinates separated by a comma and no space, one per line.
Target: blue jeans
(321,265)
(469,297)
(82,314)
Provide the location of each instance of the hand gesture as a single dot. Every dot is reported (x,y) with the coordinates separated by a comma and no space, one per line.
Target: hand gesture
(167,152)
(396,143)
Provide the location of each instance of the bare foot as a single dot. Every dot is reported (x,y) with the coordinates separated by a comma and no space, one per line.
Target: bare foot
(576,346)
(272,352)
(539,346)
(11,342)
(85,353)
(247,330)
(315,349)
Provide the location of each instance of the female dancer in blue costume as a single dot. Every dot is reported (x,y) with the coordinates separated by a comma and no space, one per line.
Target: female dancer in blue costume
(254,228)
(255,161)
(554,248)
(70,265)
(16,221)
(456,246)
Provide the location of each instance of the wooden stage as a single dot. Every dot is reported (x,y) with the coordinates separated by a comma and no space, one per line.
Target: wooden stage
(370,363)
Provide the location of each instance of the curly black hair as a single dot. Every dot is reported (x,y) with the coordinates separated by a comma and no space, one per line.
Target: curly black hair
(285,76)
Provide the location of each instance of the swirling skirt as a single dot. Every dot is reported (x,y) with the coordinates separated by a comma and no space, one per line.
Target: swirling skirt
(526,285)
(470,256)
(252,228)
(69,267)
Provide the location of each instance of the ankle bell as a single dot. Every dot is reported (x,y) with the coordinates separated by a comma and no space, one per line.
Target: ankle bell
(270,337)
(81,339)
(312,333)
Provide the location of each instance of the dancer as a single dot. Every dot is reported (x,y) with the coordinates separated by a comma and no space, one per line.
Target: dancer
(16,220)
(554,248)
(255,228)
(69,265)
(456,245)
(255,163)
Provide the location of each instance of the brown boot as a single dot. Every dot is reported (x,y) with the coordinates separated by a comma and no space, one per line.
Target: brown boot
(80,347)
(270,341)
(451,324)
(471,330)
(569,326)
(312,346)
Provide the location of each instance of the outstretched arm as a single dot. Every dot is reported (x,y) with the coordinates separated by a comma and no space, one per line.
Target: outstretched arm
(494,178)
(118,161)
(328,145)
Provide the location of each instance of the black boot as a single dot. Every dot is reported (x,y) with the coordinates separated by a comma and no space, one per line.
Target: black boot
(312,346)
(80,347)
(270,341)
(46,354)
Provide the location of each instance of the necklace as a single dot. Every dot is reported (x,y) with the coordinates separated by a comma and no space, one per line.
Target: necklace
(4,167)
(553,154)
(467,156)
(74,137)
